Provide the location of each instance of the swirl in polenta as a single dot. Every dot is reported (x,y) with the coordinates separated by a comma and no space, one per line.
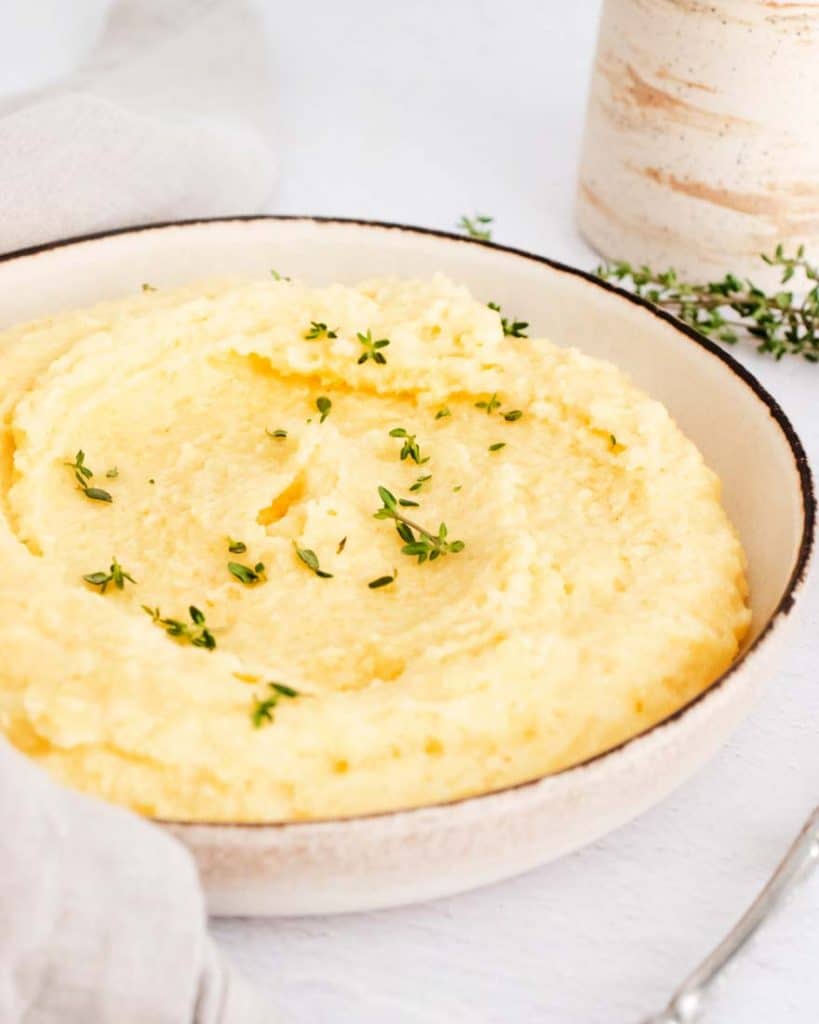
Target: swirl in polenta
(276,552)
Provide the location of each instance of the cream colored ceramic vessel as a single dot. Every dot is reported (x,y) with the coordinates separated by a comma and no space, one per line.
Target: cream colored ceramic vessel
(413,855)
(702,136)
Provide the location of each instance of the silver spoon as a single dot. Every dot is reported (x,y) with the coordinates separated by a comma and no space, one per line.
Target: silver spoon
(689,1001)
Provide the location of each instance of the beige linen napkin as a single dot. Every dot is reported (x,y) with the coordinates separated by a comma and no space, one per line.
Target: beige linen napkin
(101,915)
(166,119)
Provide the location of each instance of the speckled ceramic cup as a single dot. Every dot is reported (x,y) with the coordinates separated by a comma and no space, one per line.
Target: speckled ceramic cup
(702,137)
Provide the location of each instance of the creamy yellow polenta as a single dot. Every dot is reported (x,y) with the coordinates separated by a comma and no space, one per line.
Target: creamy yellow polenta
(599,588)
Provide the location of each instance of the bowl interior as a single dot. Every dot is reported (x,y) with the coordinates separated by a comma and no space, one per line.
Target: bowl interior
(718,407)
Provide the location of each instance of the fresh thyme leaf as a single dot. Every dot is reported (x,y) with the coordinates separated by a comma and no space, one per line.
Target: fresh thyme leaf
(82,474)
(419,483)
(490,405)
(262,708)
(372,349)
(342,544)
(319,330)
(511,328)
(406,503)
(381,581)
(476,227)
(419,542)
(324,405)
(443,413)
(457,488)
(112,473)
(410,449)
(515,414)
(277,276)
(244,573)
(116,575)
(148,287)
(310,559)
(236,547)
(612,440)
(781,322)
(197,633)
(496,447)
(97,494)
(279,433)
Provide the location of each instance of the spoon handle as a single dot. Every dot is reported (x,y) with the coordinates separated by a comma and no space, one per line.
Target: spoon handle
(688,1002)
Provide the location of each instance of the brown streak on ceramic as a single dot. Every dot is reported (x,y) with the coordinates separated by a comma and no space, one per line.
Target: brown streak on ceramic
(632,92)
(778,206)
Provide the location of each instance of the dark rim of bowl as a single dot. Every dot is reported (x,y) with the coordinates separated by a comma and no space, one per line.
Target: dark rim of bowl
(786,601)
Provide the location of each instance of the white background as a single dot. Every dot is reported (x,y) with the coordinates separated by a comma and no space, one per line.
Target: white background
(419,112)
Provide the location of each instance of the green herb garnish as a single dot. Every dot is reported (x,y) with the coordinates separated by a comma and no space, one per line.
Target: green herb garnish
(82,474)
(490,405)
(195,633)
(476,227)
(419,542)
(324,405)
(410,448)
(511,328)
(236,547)
(116,575)
(372,349)
(496,447)
(515,414)
(342,544)
(319,330)
(443,413)
(277,276)
(780,322)
(310,559)
(112,473)
(419,483)
(612,440)
(382,581)
(148,287)
(279,433)
(244,573)
(262,708)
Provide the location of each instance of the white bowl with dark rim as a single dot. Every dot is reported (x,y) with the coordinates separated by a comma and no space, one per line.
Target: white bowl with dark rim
(387,859)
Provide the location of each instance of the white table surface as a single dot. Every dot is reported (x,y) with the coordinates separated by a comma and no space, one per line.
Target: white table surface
(420,112)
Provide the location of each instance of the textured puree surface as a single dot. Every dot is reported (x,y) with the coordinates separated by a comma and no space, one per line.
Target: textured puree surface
(600,586)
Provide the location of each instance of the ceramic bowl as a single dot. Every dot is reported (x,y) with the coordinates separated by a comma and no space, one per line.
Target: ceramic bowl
(387,859)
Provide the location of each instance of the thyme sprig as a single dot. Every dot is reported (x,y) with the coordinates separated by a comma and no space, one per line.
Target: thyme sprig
(419,483)
(489,405)
(116,575)
(781,322)
(82,474)
(372,349)
(324,405)
(410,448)
(382,581)
(247,575)
(195,633)
(310,559)
(318,330)
(511,328)
(476,227)
(419,542)
(261,711)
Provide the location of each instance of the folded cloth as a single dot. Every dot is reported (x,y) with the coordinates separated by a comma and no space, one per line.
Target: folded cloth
(102,919)
(166,119)
(101,916)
